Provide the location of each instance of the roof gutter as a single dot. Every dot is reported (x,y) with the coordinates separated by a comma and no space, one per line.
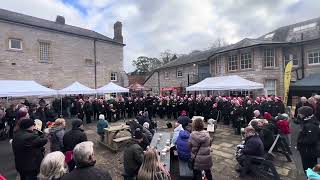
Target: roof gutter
(64,32)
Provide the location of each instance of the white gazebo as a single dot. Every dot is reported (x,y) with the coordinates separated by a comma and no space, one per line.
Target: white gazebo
(225,83)
(76,88)
(20,88)
(112,88)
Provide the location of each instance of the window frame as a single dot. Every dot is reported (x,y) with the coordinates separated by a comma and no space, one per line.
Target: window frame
(286,59)
(245,61)
(233,63)
(49,59)
(218,65)
(181,71)
(166,75)
(315,51)
(269,53)
(115,76)
(275,86)
(10,44)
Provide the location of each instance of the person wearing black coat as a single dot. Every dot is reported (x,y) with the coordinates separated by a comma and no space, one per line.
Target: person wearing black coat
(308,138)
(303,102)
(9,118)
(133,155)
(73,137)
(84,158)
(88,111)
(28,149)
(253,146)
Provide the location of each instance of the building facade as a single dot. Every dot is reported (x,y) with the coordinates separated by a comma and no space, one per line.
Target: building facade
(55,54)
(262,60)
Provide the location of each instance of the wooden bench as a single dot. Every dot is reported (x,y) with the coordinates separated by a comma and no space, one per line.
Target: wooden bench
(184,171)
(117,142)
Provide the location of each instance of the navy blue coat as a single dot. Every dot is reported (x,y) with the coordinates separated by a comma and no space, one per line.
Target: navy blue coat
(253,146)
(184,151)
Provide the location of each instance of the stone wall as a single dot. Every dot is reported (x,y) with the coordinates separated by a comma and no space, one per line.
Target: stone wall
(69,57)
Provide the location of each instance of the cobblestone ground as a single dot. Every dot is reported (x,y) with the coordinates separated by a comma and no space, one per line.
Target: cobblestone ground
(223,149)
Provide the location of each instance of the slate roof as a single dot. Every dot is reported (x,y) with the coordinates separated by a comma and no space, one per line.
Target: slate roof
(311,82)
(282,35)
(23,19)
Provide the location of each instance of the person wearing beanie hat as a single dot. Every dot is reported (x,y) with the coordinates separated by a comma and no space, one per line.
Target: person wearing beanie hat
(28,148)
(133,155)
(308,137)
(267,116)
(184,119)
(73,137)
(101,124)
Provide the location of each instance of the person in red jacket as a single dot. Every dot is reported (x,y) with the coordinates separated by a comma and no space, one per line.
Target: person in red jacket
(283,125)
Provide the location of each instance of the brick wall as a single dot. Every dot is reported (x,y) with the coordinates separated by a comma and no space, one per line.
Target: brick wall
(68,58)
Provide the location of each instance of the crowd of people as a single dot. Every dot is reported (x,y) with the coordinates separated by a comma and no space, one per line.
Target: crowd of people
(262,119)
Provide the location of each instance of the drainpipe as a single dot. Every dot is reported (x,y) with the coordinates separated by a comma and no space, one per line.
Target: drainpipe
(159,82)
(302,57)
(95,63)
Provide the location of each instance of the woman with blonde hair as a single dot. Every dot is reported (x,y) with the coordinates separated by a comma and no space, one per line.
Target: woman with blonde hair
(151,168)
(56,133)
(52,166)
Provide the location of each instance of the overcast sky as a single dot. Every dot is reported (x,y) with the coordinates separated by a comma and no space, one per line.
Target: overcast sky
(152,26)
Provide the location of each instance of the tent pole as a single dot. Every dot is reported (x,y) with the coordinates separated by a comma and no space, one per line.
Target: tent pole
(60,106)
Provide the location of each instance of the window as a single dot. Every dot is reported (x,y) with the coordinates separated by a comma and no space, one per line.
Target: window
(289,57)
(179,72)
(44,51)
(245,61)
(166,75)
(305,27)
(232,63)
(268,57)
(218,65)
(113,76)
(15,44)
(314,57)
(270,86)
(269,35)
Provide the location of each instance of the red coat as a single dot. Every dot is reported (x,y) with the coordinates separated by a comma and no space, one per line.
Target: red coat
(283,125)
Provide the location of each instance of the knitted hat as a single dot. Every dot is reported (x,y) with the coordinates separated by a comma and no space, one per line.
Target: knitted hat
(26,123)
(183,113)
(76,123)
(267,116)
(305,111)
(137,134)
(101,116)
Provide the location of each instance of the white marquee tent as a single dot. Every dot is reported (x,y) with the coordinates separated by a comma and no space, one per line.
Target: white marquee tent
(223,83)
(19,88)
(112,88)
(76,88)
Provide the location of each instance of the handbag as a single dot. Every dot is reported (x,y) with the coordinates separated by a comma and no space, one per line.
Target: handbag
(192,160)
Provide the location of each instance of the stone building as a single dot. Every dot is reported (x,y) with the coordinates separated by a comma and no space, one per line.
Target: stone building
(55,54)
(261,60)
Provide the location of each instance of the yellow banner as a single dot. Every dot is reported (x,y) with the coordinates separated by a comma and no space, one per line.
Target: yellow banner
(287,80)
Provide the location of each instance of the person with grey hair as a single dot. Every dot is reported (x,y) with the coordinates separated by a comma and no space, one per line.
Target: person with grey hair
(303,102)
(52,166)
(84,158)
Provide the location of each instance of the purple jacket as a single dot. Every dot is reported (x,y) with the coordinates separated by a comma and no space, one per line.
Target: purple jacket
(203,160)
(184,151)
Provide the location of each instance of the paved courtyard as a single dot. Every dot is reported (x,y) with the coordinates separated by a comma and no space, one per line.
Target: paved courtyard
(223,149)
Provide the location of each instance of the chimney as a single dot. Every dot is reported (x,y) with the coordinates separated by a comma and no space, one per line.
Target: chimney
(117,28)
(60,20)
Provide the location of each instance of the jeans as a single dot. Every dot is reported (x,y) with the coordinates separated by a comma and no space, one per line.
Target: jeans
(197,175)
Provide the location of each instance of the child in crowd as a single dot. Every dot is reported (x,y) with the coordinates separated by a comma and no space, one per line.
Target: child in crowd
(101,124)
(284,126)
(313,174)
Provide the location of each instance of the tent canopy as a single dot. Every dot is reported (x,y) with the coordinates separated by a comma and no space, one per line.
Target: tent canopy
(233,82)
(112,88)
(138,87)
(76,88)
(18,88)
